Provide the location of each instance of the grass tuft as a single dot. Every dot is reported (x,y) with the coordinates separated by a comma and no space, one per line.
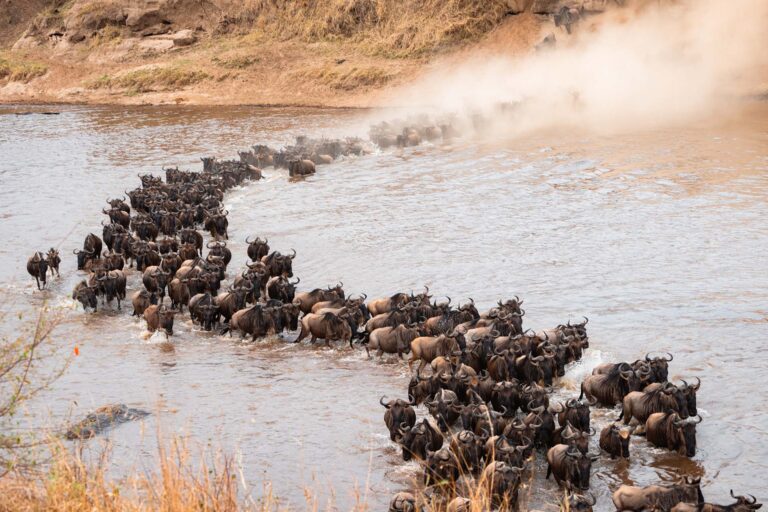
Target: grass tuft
(150,79)
(15,70)
(349,79)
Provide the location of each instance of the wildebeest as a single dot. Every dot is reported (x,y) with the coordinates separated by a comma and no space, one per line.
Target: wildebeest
(567,17)
(155,280)
(387,304)
(256,320)
(503,484)
(392,340)
(654,398)
(574,412)
(257,248)
(216,224)
(669,430)
(328,326)
(179,292)
(403,502)
(203,309)
(639,499)
(611,388)
(426,348)
(37,266)
(615,441)
(112,285)
(280,264)
(399,413)
(306,300)
(569,465)
(232,300)
(743,504)
(418,439)
(301,167)
(159,317)
(141,300)
(91,250)
(53,261)
(469,450)
(441,467)
(445,408)
(86,295)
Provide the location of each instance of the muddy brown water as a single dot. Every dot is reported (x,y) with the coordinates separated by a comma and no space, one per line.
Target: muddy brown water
(659,238)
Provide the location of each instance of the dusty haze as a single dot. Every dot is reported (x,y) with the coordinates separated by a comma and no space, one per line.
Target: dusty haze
(650,65)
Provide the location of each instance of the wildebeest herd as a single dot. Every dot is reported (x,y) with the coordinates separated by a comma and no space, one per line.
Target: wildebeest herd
(489,382)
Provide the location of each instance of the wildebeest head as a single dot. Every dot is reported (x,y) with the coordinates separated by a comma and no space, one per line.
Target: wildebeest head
(744,503)
(290,314)
(83,257)
(403,502)
(441,466)
(416,440)
(506,396)
(579,466)
(684,432)
(689,393)
(617,440)
(165,317)
(659,366)
(579,502)
(398,412)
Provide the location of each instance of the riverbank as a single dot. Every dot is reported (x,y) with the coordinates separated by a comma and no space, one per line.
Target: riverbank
(338,54)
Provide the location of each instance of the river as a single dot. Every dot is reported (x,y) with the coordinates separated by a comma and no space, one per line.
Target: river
(658,237)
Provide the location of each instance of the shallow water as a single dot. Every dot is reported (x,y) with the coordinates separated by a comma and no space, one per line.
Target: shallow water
(659,238)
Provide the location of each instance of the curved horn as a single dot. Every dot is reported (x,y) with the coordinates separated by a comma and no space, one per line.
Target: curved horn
(381,401)
(246,239)
(671,357)
(294,254)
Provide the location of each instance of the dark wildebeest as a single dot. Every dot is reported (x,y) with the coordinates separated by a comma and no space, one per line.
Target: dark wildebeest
(256,320)
(469,450)
(669,430)
(54,261)
(112,285)
(158,317)
(232,300)
(654,398)
(203,309)
(37,266)
(441,466)
(639,499)
(611,388)
(403,502)
(398,412)
(280,265)
(258,248)
(568,464)
(419,438)
(615,441)
(567,17)
(503,483)
(300,168)
(86,295)
(91,251)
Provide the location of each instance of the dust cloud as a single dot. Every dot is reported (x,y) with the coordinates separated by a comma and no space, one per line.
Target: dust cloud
(649,64)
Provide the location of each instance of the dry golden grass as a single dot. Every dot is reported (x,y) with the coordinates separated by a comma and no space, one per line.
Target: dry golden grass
(71,484)
(150,79)
(348,79)
(16,70)
(390,28)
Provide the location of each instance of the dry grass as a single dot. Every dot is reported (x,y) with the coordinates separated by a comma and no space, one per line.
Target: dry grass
(236,62)
(150,79)
(178,485)
(15,70)
(390,28)
(348,79)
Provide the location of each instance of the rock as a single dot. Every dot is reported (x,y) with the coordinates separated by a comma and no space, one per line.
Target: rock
(184,37)
(77,37)
(156,30)
(139,19)
(103,418)
(98,19)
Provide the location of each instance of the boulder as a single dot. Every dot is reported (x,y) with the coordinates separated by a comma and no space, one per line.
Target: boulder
(156,30)
(184,37)
(140,19)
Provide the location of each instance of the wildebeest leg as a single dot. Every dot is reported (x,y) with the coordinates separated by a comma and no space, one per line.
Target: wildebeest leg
(119,307)
(421,367)
(38,282)
(549,471)
(302,334)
